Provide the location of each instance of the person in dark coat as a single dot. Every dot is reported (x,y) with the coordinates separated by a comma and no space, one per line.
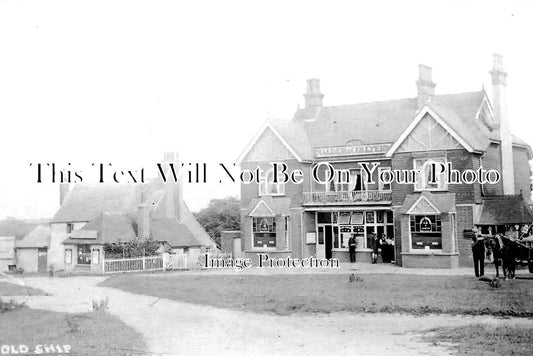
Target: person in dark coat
(385,249)
(351,247)
(375,247)
(496,248)
(478,253)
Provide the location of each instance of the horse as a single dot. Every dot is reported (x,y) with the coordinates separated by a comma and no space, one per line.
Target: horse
(494,244)
(509,258)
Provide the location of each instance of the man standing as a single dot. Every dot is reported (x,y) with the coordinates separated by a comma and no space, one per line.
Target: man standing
(478,252)
(351,247)
(375,247)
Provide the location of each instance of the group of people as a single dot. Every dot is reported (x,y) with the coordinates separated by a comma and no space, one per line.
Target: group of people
(501,249)
(383,244)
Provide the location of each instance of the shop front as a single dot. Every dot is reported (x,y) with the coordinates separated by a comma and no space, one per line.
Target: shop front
(334,228)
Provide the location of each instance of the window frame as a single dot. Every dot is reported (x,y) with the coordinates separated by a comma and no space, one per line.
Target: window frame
(438,223)
(381,185)
(271,233)
(265,184)
(441,178)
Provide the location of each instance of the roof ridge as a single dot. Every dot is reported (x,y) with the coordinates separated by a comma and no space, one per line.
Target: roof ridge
(401,99)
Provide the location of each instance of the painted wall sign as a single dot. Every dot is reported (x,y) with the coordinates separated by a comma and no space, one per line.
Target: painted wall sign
(357,150)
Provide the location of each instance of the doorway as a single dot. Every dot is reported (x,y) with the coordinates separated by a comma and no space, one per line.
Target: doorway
(324,241)
(42,260)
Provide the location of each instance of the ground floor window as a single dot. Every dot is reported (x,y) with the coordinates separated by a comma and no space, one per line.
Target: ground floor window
(84,254)
(426,232)
(358,224)
(264,231)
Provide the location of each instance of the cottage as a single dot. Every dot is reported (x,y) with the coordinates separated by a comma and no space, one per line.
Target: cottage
(427,222)
(91,215)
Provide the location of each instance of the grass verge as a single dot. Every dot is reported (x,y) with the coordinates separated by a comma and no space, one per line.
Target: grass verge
(481,339)
(97,333)
(10,289)
(286,294)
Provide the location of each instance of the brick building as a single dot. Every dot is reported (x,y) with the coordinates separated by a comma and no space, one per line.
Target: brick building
(429,220)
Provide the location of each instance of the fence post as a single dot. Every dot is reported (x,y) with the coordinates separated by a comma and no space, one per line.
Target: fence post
(144,263)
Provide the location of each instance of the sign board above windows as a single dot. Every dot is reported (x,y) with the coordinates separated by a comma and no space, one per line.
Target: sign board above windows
(356,150)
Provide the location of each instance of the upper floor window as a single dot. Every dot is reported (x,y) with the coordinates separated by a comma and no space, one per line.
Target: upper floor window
(383,186)
(70,228)
(352,180)
(268,187)
(430,178)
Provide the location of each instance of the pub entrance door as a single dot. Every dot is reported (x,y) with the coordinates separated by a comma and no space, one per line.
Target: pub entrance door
(324,241)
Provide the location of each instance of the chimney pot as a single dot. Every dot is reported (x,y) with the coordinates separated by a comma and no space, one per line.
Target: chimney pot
(313,97)
(499,76)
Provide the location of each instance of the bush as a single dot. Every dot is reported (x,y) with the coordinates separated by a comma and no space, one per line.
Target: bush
(131,249)
(9,306)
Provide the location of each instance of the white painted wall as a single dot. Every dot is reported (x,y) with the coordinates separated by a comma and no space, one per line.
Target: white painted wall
(27,259)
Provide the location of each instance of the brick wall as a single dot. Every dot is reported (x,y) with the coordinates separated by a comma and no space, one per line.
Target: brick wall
(465,221)
(522,172)
(460,159)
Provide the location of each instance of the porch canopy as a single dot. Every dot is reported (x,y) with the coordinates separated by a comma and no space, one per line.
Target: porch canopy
(505,210)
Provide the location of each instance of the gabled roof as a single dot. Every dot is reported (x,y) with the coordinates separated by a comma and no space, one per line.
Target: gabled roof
(108,228)
(17,228)
(442,202)
(86,201)
(382,122)
(39,237)
(111,210)
(275,205)
(174,233)
(505,210)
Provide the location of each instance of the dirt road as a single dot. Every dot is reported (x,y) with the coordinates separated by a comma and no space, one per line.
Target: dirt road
(175,328)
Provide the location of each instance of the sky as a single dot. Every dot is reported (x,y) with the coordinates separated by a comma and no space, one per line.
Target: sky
(121,82)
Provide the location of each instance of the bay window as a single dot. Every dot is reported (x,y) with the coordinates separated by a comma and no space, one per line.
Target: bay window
(264,231)
(426,232)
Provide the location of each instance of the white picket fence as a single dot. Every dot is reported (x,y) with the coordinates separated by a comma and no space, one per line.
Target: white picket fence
(153,263)
(166,261)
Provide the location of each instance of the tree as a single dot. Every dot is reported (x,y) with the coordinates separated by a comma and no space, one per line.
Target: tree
(220,215)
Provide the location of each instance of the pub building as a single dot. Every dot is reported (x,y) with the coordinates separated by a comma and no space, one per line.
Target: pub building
(427,224)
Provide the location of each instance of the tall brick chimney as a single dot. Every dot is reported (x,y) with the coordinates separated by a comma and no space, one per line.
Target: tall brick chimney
(173,190)
(143,216)
(499,102)
(64,189)
(424,84)
(313,97)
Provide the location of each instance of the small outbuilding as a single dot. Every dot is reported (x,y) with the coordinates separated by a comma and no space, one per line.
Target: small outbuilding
(32,250)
